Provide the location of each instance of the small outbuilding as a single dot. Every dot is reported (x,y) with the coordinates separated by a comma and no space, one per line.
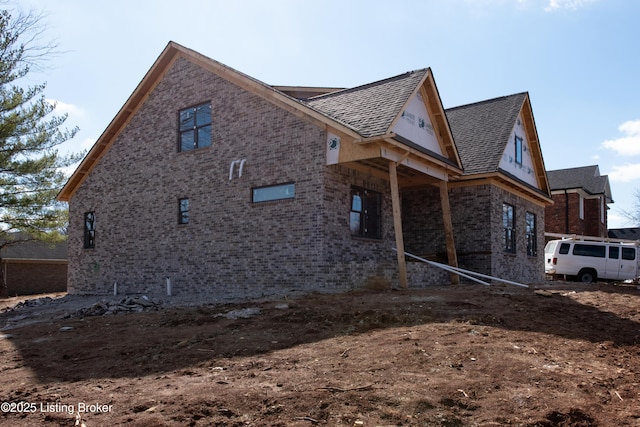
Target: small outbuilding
(33,267)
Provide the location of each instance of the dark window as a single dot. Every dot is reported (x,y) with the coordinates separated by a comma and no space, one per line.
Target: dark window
(589,250)
(365,215)
(183,211)
(564,248)
(508,221)
(273,192)
(532,236)
(518,150)
(195,127)
(89,230)
(628,254)
(614,252)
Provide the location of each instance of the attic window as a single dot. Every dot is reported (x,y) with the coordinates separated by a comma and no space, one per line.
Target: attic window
(518,150)
(195,127)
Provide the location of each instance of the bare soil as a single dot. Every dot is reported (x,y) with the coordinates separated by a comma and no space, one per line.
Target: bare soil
(558,354)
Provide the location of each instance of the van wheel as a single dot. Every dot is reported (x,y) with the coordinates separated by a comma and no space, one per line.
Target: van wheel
(587,276)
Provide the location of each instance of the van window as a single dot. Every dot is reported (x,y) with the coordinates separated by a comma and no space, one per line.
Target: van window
(628,253)
(614,252)
(551,247)
(564,248)
(589,250)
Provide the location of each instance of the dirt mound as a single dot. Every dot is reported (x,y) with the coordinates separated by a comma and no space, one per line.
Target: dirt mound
(563,354)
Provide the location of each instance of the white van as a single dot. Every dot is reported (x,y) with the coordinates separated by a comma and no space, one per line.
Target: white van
(588,261)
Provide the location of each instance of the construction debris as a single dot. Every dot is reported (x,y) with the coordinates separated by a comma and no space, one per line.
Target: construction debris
(125,305)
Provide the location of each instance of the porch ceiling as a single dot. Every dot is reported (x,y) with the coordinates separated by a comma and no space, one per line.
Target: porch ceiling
(379,167)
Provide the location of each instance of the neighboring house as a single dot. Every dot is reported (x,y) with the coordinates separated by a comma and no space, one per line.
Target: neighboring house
(632,233)
(227,186)
(33,267)
(581,197)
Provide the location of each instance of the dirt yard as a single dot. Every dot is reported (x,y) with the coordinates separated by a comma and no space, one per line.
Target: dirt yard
(559,354)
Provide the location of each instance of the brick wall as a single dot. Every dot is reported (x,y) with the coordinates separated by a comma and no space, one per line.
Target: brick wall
(559,220)
(29,278)
(518,267)
(477,224)
(592,218)
(231,246)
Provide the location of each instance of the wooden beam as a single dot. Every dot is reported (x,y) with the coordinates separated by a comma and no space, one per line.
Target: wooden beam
(397,223)
(452,256)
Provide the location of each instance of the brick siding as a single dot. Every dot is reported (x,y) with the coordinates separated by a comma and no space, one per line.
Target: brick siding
(560,220)
(30,278)
(232,247)
(477,224)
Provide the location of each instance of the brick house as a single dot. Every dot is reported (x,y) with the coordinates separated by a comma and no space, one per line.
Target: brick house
(228,186)
(581,197)
(33,267)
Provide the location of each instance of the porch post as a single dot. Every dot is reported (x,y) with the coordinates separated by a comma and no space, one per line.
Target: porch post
(452,256)
(397,223)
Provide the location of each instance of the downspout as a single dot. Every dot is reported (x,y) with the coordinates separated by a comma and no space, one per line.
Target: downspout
(566,211)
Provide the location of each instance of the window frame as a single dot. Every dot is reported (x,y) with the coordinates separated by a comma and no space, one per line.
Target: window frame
(508,226)
(89,236)
(196,128)
(589,250)
(369,213)
(531,226)
(264,199)
(626,252)
(183,211)
(518,154)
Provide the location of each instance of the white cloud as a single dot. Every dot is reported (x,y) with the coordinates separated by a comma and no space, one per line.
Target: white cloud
(629,144)
(566,4)
(625,173)
(64,108)
(87,143)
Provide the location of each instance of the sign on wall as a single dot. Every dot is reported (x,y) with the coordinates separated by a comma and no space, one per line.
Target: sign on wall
(333,148)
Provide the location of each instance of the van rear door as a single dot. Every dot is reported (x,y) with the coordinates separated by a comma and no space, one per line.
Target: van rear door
(628,263)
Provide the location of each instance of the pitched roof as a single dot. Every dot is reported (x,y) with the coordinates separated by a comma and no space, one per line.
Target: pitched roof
(370,109)
(33,249)
(364,111)
(587,178)
(171,52)
(481,131)
(632,233)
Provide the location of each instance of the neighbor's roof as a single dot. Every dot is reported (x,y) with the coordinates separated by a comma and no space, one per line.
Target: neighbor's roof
(632,233)
(370,109)
(33,249)
(482,129)
(587,178)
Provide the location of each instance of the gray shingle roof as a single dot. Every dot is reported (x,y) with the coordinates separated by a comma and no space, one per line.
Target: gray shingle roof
(587,178)
(33,249)
(632,233)
(481,131)
(370,109)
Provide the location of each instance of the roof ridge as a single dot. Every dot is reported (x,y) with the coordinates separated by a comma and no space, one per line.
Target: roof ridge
(367,85)
(487,101)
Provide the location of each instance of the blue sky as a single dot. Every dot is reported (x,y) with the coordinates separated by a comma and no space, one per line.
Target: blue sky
(578,59)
